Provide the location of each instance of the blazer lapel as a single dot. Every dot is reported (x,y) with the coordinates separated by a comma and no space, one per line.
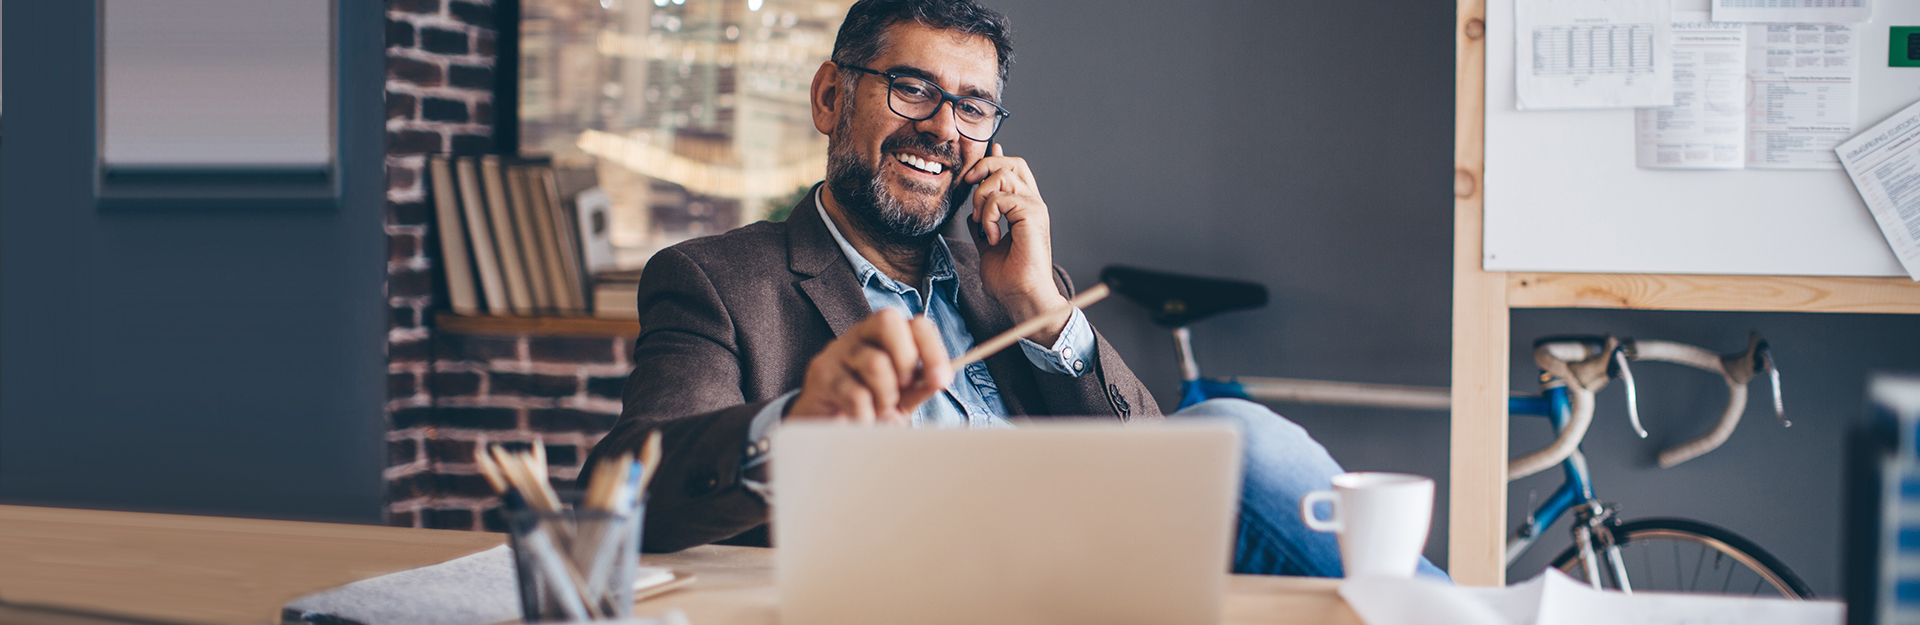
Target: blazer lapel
(986,319)
(811,251)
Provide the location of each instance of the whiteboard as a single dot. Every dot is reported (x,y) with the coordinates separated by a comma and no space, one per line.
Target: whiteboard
(1562,193)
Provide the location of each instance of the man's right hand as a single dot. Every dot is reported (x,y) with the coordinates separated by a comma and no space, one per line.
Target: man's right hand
(880,370)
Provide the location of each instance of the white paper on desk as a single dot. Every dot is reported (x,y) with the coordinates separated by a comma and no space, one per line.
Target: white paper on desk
(1552,598)
(1564,601)
(1884,163)
(1575,54)
(1706,128)
(1399,601)
(1840,11)
(1802,85)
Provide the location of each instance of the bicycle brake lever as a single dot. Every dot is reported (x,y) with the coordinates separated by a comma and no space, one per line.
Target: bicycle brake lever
(1773,377)
(1633,398)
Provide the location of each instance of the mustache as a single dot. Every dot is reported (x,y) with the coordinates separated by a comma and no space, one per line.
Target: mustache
(946,153)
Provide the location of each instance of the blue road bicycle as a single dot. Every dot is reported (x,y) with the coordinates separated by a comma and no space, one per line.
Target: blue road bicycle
(1661,554)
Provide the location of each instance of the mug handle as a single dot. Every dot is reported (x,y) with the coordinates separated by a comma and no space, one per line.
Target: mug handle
(1332,524)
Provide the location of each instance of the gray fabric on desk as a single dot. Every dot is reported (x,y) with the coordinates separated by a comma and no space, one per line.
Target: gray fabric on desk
(473,590)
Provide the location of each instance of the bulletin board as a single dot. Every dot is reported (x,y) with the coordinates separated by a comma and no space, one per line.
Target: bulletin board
(1563,193)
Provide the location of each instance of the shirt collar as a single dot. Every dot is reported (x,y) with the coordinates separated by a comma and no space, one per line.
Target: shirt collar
(939,267)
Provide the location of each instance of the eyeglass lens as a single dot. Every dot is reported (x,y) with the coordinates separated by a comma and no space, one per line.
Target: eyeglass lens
(918,99)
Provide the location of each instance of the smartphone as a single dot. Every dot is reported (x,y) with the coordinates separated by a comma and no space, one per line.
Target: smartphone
(973,227)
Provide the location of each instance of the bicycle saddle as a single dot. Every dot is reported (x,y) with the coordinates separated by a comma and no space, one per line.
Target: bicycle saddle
(1175,300)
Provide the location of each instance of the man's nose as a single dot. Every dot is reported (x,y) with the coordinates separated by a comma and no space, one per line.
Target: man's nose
(941,125)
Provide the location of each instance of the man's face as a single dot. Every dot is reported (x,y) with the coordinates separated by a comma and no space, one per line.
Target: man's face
(900,178)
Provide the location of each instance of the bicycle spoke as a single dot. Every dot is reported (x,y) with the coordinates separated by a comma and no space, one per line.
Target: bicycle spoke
(1698,563)
(1676,565)
(1647,564)
(1734,561)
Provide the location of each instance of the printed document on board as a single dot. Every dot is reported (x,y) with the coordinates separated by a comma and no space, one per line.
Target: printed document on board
(1706,128)
(1884,163)
(1574,54)
(1836,11)
(1803,82)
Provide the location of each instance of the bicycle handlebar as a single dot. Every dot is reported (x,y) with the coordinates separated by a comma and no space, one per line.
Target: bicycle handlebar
(1581,365)
(1585,365)
(1735,369)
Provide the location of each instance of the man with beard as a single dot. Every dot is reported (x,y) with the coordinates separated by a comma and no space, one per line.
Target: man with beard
(851,308)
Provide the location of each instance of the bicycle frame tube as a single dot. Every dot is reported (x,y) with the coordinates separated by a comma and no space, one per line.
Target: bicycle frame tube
(1202,389)
(1575,490)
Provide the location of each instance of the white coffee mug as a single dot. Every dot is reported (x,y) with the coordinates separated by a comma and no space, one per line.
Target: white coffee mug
(1381,519)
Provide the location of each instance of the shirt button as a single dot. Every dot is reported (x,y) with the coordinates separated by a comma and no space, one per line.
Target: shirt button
(1066,353)
(1079,366)
(765,445)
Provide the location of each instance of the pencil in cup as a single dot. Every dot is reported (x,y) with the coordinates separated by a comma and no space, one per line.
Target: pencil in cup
(578,562)
(575,564)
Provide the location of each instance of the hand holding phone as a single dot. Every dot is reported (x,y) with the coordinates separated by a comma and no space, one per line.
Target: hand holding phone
(1012,229)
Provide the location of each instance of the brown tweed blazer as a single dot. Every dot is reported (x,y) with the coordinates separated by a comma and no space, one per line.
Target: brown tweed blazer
(730,322)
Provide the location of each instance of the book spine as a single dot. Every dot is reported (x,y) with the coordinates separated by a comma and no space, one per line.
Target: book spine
(500,212)
(455,264)
(486,260)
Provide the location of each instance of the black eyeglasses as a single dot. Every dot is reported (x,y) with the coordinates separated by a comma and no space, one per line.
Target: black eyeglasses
(918,99)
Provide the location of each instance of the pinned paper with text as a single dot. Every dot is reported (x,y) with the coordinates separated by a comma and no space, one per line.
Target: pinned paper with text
(1804,84)
(1706,128)
(1574,54)
(1833,11)
(1884,163)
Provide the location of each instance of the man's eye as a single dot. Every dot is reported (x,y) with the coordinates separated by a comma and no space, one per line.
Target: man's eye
(974,110)
(910,90)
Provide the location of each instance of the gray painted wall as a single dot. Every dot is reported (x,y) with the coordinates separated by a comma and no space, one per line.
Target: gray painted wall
(1309,146)
(225,361)
(1273,141)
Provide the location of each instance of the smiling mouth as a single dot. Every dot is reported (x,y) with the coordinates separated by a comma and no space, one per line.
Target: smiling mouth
(919,164)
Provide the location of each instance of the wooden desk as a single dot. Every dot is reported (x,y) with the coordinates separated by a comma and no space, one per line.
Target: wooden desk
(219,570)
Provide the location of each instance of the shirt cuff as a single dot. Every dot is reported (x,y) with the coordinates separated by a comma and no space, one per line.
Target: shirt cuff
(1070,352)
(759,444)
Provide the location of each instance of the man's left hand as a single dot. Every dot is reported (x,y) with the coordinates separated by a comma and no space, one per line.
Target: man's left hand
(1016,262)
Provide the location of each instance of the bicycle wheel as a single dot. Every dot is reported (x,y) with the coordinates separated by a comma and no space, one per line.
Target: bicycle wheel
(1680,555)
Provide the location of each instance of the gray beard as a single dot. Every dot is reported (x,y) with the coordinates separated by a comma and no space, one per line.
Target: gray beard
(889,221)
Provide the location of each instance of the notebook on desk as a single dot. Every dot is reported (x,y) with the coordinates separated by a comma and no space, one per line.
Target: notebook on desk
(1071,523)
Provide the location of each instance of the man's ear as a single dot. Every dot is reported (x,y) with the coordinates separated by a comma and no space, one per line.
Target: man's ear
(825,98)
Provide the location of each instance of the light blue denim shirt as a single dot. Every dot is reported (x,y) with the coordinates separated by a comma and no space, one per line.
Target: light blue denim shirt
(973,399)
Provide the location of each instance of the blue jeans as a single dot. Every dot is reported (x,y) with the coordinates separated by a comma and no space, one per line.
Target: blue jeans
(1282,463)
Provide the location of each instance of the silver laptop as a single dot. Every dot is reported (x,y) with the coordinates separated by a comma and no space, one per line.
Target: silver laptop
(1057,523)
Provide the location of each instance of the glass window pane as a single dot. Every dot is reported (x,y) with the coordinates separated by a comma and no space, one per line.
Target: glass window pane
(214,84)
(693,113)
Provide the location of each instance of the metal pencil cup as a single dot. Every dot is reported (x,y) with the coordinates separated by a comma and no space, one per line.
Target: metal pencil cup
(575,565)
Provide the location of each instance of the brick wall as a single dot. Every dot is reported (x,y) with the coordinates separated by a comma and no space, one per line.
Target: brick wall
(447,392)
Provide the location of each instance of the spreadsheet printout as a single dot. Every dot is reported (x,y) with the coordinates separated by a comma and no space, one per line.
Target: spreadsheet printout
(1884,163)
(1575,54)
(1838,11)
(1803,87)
(1706,128)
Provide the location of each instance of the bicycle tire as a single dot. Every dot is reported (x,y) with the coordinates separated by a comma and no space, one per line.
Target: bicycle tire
(1639,540)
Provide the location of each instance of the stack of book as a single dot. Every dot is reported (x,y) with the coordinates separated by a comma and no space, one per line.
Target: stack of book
(512,245)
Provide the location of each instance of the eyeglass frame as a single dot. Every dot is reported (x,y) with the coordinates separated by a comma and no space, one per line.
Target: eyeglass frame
(1000,112)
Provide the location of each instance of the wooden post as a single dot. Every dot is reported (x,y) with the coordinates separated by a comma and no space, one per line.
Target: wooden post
(1478,501)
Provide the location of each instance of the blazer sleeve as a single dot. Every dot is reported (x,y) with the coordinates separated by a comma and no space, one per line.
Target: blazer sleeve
(1110,388)
(686,383)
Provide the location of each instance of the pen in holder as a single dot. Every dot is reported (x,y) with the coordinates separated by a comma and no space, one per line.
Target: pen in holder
(578,562)
(575,564)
